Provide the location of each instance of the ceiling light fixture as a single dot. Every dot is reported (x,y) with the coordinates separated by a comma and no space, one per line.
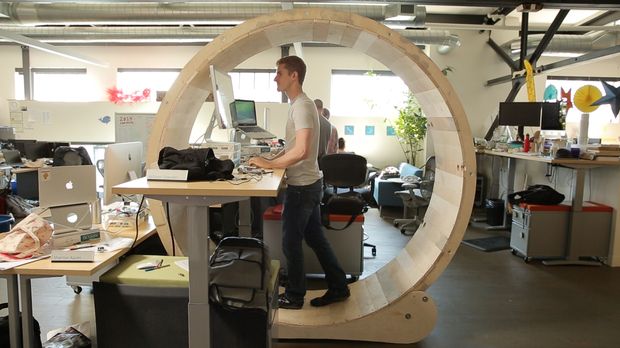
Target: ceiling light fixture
(404,12)
(528,7)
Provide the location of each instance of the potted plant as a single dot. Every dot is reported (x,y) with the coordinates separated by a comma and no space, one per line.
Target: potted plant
(410,128)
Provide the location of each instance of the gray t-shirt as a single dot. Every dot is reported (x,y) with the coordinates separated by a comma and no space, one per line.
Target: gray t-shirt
(325,135)
(302,114)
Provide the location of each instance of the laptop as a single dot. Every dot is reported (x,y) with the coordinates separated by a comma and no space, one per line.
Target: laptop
(67,185)
(243,114)
(71,218)
(12,158)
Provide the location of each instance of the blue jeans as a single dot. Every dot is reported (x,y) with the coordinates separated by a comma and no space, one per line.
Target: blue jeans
(301,219)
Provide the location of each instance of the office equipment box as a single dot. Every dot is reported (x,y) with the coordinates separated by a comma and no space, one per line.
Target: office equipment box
(347,244)
(539,231)
(592,230)
(543,231)
(135,308)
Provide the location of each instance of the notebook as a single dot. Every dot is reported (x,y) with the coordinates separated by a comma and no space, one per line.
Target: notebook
(243,113)
(67,185)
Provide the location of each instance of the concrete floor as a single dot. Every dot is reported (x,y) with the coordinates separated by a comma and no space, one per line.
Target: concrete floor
(484,299)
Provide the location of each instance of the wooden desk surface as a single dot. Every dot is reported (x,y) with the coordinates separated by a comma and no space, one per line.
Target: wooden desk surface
(267,186)
(567,162)
(47,268)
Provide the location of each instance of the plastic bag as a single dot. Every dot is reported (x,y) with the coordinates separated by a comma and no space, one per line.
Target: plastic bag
(70,338)
(28,238)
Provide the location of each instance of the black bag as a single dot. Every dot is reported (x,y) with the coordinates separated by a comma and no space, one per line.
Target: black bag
(537,194)
(239,274)
(353,205)
(71,156)
(201,164)
(4,329)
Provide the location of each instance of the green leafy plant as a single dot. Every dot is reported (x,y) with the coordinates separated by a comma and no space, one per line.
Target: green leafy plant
(410,128)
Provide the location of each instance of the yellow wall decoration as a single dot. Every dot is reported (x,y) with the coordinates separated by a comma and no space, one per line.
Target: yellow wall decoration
(585,96)
(529,81)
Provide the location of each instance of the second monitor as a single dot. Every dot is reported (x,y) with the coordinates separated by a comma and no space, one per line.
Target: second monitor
(243,114)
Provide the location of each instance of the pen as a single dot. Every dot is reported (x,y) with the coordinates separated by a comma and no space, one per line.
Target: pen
(154,268)
(81,247)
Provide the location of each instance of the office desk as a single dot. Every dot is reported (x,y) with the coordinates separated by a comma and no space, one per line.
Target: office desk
(579,166)
(45,268)
(198,196)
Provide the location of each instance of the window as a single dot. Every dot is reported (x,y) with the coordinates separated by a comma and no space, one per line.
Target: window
(257,85)
(357,93)
(60,85)
(137,80)
(599,118)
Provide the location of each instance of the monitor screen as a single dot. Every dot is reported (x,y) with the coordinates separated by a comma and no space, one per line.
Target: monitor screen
(551,117)
(223,96)
(39,149)
(122,162)
(243,112)
(20,144)
(519,114)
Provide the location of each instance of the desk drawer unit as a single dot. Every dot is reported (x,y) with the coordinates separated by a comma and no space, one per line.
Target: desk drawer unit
(592,230)
(539,231)
(347,244)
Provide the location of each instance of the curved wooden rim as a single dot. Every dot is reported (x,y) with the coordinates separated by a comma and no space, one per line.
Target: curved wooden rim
(430,250)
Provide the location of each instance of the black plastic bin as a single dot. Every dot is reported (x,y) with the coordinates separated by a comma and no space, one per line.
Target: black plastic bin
(494,211)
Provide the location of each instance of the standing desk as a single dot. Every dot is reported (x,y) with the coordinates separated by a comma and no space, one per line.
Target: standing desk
(198,196)
(45,268)
(579,166)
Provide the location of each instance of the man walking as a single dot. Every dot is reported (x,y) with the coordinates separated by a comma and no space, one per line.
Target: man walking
(301,216)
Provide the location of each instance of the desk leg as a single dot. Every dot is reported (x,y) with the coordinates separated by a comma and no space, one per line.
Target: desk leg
(245,218)
(198,247)
(13,299)
(510,185)
(26,301)
(577,207)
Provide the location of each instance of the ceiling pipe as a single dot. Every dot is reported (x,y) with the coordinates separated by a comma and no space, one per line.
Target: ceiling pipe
(571,44)
(180,34)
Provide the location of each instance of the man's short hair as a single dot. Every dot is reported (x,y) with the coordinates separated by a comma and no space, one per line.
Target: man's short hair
(326,113)
(318,103)
(292,64)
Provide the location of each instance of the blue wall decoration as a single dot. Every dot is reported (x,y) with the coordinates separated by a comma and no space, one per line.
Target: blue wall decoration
(349,130)
(370,130)
(611,97)
(389,131)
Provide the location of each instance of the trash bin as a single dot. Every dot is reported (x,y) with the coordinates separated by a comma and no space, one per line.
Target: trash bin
(494,211)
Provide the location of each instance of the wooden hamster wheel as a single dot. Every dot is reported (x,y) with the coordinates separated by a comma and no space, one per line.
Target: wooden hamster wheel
(390,305)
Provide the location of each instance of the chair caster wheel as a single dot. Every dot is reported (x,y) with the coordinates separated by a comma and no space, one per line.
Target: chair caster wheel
(374,251)
(76,288)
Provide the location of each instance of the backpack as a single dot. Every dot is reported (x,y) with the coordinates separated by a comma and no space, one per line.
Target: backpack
(4,329)
(239,274)
(537,194)
(201,164)
(352,205)
(71,156)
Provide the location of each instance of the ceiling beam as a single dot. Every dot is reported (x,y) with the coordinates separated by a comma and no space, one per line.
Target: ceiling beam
(544,42)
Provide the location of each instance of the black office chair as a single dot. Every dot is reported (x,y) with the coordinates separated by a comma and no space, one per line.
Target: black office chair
(345,170)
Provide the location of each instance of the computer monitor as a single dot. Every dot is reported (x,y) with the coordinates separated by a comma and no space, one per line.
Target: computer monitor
(223,96)
(39,149)
(519,114)
(122,162)
(551,117)
(243,112)
(20,144)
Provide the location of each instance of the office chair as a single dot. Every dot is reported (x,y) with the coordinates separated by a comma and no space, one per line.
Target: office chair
(417,194)
(345,170)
